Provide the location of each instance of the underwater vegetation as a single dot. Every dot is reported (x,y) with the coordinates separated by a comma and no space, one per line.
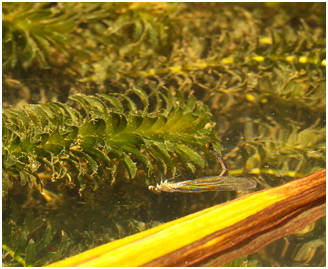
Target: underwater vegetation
(69,144)
(102,99)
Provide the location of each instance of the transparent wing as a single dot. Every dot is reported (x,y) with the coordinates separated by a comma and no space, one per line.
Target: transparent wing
(215,183)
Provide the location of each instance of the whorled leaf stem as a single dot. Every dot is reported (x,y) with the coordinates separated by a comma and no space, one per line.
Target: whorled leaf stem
(109,130)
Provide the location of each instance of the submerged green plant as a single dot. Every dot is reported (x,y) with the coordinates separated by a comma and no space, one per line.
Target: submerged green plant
(260,68)
(109,131)
(34,243)
(32,32)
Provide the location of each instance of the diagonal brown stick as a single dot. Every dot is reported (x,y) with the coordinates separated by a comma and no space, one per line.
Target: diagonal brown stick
(304,203)
(217,235)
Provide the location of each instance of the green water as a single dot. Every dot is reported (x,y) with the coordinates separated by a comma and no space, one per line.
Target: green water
(260,68)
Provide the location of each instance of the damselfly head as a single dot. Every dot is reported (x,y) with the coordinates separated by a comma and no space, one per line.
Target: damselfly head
(154,189)
(209,146)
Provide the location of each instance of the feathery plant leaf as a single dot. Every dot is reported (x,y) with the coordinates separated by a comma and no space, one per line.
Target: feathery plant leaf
(32,30)
(260,68)
(108,131)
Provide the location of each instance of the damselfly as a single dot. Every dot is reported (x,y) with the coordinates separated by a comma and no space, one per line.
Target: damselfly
(215,183)
(212,183)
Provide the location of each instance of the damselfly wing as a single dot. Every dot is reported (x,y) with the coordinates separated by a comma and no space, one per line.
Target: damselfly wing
(213,183)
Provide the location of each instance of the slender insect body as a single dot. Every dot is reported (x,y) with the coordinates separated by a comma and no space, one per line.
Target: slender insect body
(166,186)
(212,183)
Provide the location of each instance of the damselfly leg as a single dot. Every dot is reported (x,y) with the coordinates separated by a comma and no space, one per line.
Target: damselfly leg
(216,155)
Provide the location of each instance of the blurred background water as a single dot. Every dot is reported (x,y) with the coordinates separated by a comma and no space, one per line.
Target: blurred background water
(260,67)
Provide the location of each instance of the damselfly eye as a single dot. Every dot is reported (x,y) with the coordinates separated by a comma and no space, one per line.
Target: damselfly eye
(154,189)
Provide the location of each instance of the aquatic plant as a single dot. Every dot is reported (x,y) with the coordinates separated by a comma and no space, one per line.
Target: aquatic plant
(33,32)
(110,130)
(259,68)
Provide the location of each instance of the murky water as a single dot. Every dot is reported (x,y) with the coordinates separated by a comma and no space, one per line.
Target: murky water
(260,68)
